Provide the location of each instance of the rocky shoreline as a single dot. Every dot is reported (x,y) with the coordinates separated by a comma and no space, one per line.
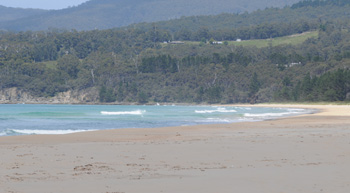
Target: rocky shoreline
(15,95)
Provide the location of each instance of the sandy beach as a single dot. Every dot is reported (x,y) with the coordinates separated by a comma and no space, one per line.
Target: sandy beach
(304,154)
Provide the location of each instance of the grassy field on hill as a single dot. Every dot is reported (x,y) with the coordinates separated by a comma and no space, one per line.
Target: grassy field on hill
(292,40)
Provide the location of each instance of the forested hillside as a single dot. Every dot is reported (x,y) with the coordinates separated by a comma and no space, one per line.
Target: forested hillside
(105,14)
(10,14)
(135,65)
(271,22)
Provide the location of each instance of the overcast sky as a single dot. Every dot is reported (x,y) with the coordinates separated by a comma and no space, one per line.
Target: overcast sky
(42,4)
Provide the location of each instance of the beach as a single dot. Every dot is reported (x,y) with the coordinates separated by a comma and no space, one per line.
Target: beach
(305,154)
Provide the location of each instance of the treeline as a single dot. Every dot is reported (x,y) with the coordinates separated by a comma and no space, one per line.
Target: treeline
(260,24)
(50,45)
(169,64)
(45,63)
(331,86)
(107,14)
(246,74)
(129,67)
(270,23)
(319,3)
(261,31)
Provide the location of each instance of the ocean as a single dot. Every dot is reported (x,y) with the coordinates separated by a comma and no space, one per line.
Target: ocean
(25,119)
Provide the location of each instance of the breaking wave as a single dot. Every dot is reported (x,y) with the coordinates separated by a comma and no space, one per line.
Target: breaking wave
(215,120)
(219,110)
(269,114)
(43,132)
(138,112)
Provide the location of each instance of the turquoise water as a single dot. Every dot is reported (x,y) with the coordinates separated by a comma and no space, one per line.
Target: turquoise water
(22,119)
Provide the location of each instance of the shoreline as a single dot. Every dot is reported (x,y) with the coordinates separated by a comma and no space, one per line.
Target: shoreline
(305,153)
(312,111)
(323,110)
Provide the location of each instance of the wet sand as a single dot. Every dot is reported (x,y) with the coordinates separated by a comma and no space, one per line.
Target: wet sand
(304,154)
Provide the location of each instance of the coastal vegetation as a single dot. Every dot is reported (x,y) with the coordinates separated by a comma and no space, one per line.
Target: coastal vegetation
(303,59)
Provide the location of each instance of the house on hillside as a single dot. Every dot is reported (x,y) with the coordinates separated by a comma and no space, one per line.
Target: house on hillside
(294,63)
(176,42)
(215,42)
(289,65)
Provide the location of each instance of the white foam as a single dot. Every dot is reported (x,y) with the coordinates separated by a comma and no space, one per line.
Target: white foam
(244,108)
(138,112)
(7,132)
(246,119)
(268,114)
(48,132)
(299,110)
(219,120)
(205,111)
(219,110)
(290,112)
(215,120)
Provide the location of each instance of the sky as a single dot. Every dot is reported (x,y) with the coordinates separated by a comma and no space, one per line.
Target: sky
(42,4)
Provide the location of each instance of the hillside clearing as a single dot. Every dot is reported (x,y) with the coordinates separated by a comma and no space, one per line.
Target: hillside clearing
(294,39)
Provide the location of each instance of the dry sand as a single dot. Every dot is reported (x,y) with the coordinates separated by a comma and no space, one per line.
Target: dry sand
(304,154)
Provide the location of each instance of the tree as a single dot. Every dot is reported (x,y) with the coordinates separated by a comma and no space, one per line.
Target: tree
(202,33)
(214,94)
(107,95)
(211,41)
(254,86)
(142,97)
(69,64)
